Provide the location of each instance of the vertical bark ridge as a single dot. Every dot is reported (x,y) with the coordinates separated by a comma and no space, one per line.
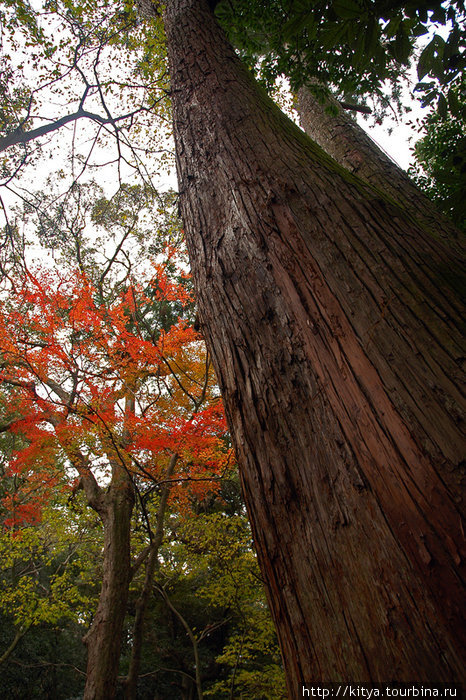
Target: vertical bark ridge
(327,312)
(343,139)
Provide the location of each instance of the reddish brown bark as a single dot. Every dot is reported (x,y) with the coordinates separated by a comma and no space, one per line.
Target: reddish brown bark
(343,139)
(335,328)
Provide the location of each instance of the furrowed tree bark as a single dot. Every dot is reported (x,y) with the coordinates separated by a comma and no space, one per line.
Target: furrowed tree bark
(334,324)
(343,139)
(103,640)
(115,508)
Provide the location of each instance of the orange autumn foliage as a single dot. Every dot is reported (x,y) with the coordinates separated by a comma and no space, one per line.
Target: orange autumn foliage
(91,381)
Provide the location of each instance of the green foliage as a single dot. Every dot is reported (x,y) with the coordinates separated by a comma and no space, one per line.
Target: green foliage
(42,571)
(353,46)
(48,577)
(213,555)
(52,562)
(50,570)
(91,64)
(48,662)
(110,238)
(440,169)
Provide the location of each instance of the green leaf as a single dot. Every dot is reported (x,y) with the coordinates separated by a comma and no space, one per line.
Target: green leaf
(422,14)
(371,37)
(402,47)
(348,9)
(425,60)
(332,35)
(428,98)
(292,28)
(420,30)
(392,27)
(442,106)
(439,15)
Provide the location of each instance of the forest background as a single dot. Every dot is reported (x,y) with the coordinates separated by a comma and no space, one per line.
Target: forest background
(119,486)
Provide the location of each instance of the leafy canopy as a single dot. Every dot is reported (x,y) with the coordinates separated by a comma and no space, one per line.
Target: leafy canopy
(353,46)
(100,359)
(90,71)
(440,168)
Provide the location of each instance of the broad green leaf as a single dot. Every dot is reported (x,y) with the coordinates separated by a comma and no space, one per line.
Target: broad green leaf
(347,9)
(442,106)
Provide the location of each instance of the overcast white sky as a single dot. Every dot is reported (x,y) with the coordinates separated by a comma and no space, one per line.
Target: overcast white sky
(393,137)
(402,137)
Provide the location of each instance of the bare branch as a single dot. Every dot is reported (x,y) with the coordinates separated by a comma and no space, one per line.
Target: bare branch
(18,136)
(191,636)
(355,108)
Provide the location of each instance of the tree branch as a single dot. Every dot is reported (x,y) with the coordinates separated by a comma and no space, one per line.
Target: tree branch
(191,636)
(18,636)
(355,108)
(18,136)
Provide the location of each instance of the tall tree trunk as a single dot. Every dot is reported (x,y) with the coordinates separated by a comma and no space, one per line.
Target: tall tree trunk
(343,139)
(334,324)
(103,640)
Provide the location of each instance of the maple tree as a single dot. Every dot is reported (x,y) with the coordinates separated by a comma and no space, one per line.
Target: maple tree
(112,393)
(86,385)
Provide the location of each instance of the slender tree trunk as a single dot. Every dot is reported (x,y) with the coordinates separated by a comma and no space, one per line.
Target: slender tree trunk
(192,639)
(141,605)
(343,139)
(103,640)
(138,627)
(23,629)
(335,330)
